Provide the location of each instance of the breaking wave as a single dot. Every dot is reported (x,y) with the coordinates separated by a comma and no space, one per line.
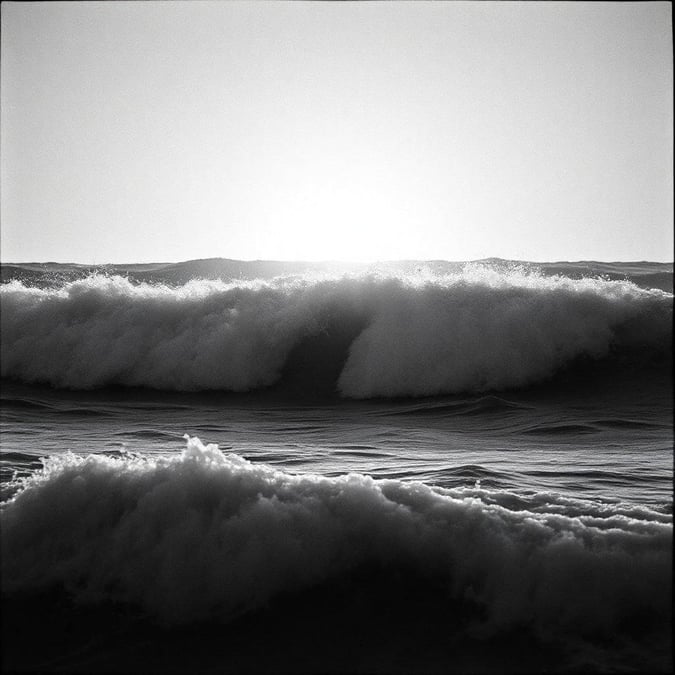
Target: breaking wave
(209,535)
(366,335)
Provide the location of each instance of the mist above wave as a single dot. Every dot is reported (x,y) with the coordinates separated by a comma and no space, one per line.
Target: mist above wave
(473,330)
(642,273)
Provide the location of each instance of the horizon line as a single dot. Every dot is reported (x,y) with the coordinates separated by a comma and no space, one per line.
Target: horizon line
(334,261)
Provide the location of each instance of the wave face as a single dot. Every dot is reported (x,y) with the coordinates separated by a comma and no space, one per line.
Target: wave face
(208,535)
(383,335)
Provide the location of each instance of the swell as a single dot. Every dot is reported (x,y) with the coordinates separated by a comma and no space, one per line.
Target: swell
(477,330)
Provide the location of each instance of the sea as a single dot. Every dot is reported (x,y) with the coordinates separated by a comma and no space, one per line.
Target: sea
(222,466)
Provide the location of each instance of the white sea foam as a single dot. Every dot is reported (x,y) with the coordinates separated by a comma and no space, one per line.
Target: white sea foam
(477,330)
(206,534)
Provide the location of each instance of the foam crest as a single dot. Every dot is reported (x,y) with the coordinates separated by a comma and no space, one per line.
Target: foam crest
(206,534)
(422,334)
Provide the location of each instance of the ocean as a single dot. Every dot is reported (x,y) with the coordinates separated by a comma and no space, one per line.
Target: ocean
(410,467)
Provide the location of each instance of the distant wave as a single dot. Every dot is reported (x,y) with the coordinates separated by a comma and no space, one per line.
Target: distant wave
(642,273)
(368,335)
(208,535)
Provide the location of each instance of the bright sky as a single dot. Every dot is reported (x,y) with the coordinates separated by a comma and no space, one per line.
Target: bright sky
(164,131)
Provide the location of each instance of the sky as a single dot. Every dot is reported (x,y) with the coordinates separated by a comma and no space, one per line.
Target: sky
(167,131)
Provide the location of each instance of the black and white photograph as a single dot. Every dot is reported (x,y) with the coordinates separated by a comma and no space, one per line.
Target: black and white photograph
(336,337)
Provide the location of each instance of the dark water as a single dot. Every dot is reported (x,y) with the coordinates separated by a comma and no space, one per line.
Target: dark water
(421,467)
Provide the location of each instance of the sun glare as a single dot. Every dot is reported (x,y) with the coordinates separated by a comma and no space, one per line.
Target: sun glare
(344,209)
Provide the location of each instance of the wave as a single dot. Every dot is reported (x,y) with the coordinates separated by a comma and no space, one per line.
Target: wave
(368,335)
(210,536)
